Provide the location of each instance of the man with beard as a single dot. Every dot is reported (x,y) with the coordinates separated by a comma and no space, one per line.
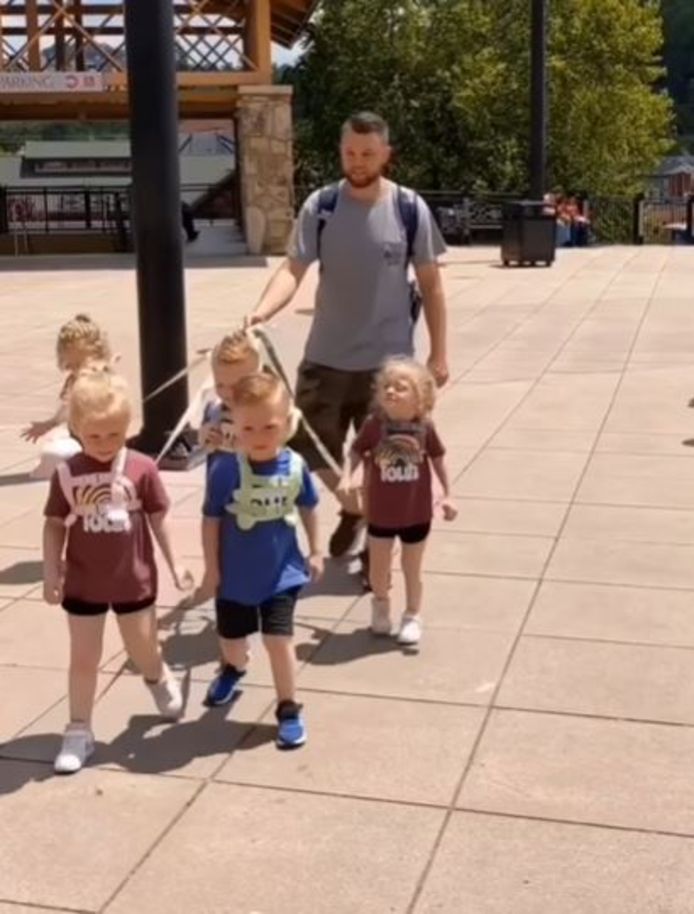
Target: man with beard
(365,232)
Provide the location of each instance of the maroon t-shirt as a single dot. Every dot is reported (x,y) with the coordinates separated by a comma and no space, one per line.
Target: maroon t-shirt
(104,565)
(397,459)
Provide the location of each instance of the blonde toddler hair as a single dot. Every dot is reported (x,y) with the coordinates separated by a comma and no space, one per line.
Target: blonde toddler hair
(417,374)
(83,334)
(98,393)
(235,348)
(260,388)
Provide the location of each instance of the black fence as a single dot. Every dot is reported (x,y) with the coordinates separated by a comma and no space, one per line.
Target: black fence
(65,210)
(468,219)
(101,210)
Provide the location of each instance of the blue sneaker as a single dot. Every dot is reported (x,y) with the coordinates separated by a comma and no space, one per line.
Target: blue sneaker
(291,729)
(224,687)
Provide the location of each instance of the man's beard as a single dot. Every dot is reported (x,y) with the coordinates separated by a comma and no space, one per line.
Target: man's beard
(363,181)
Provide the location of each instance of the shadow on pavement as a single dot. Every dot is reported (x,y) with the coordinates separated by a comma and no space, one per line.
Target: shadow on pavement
(147,746)
(16,479)
(22,573)
(342,647)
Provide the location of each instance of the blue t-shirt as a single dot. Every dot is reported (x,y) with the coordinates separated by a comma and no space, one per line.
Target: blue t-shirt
(258,563)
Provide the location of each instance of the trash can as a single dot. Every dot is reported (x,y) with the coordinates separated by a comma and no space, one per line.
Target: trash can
(529,233)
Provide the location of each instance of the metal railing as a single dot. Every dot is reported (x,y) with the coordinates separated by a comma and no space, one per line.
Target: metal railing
(99,210)
(63,210)
(465,218)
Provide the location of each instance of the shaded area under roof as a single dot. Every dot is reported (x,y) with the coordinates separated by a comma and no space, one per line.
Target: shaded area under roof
(289,18)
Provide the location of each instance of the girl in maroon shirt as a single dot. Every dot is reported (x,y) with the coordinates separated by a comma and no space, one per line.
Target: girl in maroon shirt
(105,507)
(399,447)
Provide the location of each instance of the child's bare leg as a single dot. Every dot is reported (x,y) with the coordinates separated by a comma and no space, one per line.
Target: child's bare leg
(86,644)
(235,652)
(139,633)
(411,562)
(380,559)
(282,656)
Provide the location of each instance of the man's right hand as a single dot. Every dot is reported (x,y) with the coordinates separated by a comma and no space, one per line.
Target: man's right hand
(252,320)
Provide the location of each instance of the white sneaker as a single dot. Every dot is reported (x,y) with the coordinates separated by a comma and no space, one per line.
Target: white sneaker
(410,631)
(167,695)
(380,617)
(78,745)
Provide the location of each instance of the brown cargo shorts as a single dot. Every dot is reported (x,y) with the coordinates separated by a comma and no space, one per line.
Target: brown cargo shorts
(332,401)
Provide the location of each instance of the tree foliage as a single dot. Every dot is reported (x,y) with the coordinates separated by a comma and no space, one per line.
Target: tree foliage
(679,58)
(452,78)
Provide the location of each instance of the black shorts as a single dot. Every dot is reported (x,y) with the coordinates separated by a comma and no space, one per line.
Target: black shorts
(272,617)
(76,607)
(331,400)
(408,535)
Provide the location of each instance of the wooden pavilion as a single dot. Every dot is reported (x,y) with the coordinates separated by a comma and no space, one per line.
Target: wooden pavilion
(62,60)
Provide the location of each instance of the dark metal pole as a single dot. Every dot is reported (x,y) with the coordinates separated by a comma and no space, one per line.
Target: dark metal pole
(149,29)
(538,101)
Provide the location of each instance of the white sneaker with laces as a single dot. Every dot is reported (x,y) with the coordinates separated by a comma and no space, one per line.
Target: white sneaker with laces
(410,631)
(78,745)
(380,617)
(167,695)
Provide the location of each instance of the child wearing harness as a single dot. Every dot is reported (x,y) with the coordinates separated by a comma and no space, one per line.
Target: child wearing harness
(236,356)
(80,341)
(398,443)
(253,564)
(103,506)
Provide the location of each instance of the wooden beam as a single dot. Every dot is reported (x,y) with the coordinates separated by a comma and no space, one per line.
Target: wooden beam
(115,31)
(193,104)
(76,14)
(194,80)
(60,40)
(257,43)
(33,47)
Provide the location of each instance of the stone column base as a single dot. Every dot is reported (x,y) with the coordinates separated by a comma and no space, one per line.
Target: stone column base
(266,162)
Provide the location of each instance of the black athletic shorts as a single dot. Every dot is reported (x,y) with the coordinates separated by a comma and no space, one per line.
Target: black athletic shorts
(76,607)
(272,617)
(408,535)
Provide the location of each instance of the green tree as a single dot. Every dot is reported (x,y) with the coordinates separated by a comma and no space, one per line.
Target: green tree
(452,78)
(678,16)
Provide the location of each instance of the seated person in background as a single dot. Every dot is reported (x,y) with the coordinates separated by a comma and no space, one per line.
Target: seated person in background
(578,223)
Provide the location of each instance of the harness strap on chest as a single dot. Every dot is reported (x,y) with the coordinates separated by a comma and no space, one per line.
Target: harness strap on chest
(266,498)
(122,499)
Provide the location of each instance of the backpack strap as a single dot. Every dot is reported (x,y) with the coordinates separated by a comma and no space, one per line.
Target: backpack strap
(327,203)
(409,213)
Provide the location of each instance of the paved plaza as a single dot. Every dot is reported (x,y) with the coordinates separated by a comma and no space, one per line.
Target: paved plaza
(535,757)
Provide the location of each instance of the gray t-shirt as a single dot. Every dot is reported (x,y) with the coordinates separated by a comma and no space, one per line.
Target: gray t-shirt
(363,300)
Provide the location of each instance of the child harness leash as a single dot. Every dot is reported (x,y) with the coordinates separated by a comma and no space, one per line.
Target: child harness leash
(202,392)
(123,498)
(266,498)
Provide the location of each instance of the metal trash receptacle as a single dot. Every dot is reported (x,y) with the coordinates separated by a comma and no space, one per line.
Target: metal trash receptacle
(529,233)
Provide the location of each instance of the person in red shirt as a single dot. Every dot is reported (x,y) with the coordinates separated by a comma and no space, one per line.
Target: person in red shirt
(399,447)
(103,506)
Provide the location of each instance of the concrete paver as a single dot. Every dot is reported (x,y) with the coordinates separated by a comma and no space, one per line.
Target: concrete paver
(533,756)
(496,864)
(71,841)
(580,769)
(600,612)
(245,849)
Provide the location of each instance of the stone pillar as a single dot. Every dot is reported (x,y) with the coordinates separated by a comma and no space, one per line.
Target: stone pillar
(266,163)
